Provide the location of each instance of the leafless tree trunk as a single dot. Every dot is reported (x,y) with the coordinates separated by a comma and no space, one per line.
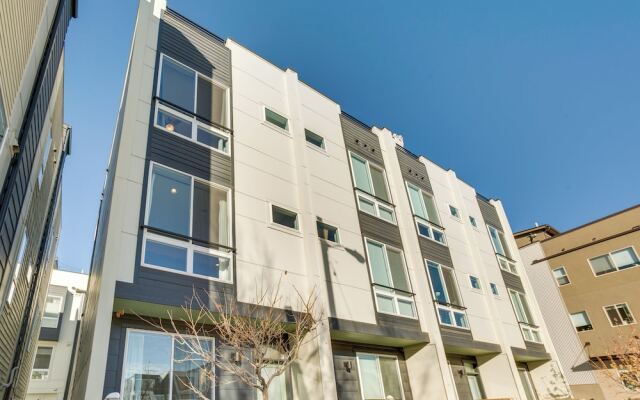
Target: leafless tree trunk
(264,338)
(622,362)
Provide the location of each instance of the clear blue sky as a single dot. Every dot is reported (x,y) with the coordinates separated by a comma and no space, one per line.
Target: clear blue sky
(535,103)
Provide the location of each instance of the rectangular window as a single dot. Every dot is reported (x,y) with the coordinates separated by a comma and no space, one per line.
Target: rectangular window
(524,316)
(19,261)
(619,314)
(501,248)
(390,280)
(159,366)
(314,139)
(177,123)
(45,158)
(42,363)
(455,212)
(276,119)
(494,289)
(3,119)
(198,213)
(425,214)
(581,321)
(327,232)
(475,282)
(444,288)
(286,218)
(561,276)
(370,179)
(473,378)
(379,377)
(192,92)
(527,383)
(614,261)
(278,387)
(52,311)
(473,221)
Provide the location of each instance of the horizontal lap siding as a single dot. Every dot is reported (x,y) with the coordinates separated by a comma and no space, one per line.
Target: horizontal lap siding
(360,139)
(377,229)
(512,281)
(191,45)
(435,252)
(489,213)
(456,337)
(413,170)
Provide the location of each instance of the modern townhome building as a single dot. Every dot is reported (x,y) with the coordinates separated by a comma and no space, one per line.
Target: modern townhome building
(586,281)
(60,327)
(33,145)
(228,172)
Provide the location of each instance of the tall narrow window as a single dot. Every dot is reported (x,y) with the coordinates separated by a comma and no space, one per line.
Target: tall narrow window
(198,211)
(278,387)
(3,119)
(42,363)
(379,377)
(373,195)
(473,378)
(45,158)
(177,84)
(156,362)
(502,250)
(614,261)
(581,321)
(426,214)
(19,261)
(52,311)
(524,316)
(527,383)
(391,284)
(444,288)
(619,314)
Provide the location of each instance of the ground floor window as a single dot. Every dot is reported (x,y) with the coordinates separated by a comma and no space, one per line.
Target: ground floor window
(527,383)
(379,377)
(159,366)
(278,387)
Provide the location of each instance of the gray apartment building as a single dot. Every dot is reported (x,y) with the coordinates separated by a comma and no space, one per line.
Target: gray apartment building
(33,145)
(227,170)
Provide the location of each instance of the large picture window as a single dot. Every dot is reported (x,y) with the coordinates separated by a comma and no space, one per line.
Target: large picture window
(373,193)
(525,318)
(379,377)
(444,288)
(52,311)
(158,366)
(42,363)
(614,261)
(189,222)
(390,280)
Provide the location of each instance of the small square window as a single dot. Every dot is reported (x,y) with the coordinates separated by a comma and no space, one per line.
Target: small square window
(494,289)
(314,139)
(328,232)
(276,119)
(475,282)
(561,276)
(473,222)
(581,321)
(284,217)
(454,211)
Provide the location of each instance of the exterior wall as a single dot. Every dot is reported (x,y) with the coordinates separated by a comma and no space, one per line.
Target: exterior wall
(29,201)
(70,285)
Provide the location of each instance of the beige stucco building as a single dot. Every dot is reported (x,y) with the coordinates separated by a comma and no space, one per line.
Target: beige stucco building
(592,269)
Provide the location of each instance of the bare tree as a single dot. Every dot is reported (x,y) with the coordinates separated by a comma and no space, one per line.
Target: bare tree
(257,341)
(622,362)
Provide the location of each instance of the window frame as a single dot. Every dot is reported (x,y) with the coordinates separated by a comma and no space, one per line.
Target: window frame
(322,148)
(525,326)
(565,275)
(449,307)
(586,314)
(46,371)
(473,222)
(45,158)
(297,230)
(378,202)
(195,124)
(338,241)
(493,287)
(19,261)
(195,92)
(617,269)
(504,262)
(616,306)
(378,356)
(60,311)
(451,208)
(187,243)
(212,339)
(477,278)
(419,221)
(395,296)
(288,131)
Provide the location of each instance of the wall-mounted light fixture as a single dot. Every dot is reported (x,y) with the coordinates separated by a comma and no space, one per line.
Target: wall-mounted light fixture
(347,366)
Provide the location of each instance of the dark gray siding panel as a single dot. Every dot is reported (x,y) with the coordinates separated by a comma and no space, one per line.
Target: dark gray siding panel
(435,252)
(409,331)
(535,347)
(489,213)
(184,155)
(347,381)
(359,138)
(533,352)
(188,43)
(512,281)
(410,327)
(460,379)
(455,337)
(413,170)
(377,229)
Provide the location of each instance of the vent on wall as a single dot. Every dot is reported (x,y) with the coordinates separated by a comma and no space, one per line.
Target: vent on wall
(364,146)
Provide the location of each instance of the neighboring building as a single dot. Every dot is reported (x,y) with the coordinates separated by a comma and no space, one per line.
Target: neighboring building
(586,282)
(60,327)
(33,145)
(227,170)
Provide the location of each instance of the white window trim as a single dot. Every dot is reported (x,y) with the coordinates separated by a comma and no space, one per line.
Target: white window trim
(409,185)
(335,244)
(384,176)
(263,119)
(632,247)
(377,204)
(173,336)
(604,309)
(395,296)
(566,275)
(60,311)
(276,226)
(478,290)
(195,124)
(18,262)
(43,370)
(195,92)
(497,289)
(525,325)
(379,371)
(323,149)
(588,319)
(443,306)
(509,262)
(459,217)
(475,220)
(431,227)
